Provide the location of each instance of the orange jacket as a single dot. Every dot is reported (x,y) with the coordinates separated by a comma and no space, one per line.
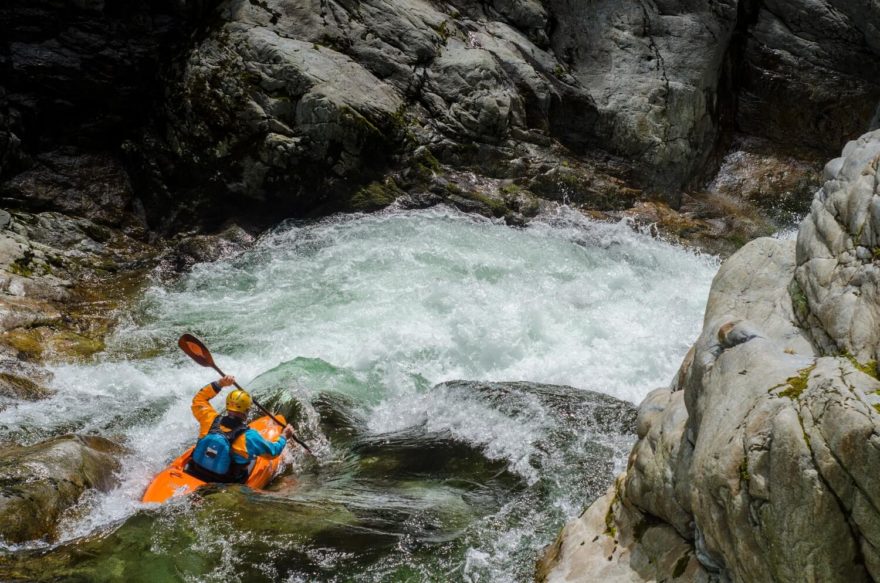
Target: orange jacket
(205,414)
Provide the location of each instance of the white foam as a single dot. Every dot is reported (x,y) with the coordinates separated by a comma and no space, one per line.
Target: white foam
(395,296)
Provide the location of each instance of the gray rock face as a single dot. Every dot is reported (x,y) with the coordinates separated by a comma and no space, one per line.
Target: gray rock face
(294,101)
(653,70)
(291,106)
(275,110)
(41,481)
(787,93)
(837,250)
(762,455)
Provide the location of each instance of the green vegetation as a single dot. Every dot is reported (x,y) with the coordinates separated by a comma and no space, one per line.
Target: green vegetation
(425,164)
(357,120)
(443,31)
(610,528)
(495,206)
(797,384)
(375,196)
(798,300)
(869,368)
(744,470)
(24,265)
(511,188)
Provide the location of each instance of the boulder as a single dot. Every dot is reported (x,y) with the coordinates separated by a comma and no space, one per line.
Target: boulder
(838,279)
(761,455)
(192,249)
(39,482)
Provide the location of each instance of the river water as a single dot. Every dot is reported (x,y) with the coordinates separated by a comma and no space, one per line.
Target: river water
(354,321)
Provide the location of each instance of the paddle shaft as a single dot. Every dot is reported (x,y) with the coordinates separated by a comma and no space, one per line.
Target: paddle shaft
(263,409)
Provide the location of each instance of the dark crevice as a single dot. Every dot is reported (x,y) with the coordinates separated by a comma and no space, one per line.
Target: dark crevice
(729,86)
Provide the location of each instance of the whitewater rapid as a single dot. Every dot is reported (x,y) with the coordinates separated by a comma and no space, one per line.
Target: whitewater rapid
(398,300)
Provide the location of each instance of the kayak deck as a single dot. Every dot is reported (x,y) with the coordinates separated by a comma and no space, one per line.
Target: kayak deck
(174,481)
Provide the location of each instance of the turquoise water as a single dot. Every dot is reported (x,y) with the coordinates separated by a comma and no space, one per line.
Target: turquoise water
(376,310)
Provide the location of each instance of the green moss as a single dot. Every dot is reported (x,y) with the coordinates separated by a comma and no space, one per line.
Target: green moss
(72,345)
(737,240)
(27,342)
(24,265)
(876,407)
(511,188)
(744,470)
(610,528)
(375,195)
(799,301)
(359,121)
(559,71)
(425,164)
(498,208)
(443,31)
(869,368)
(797,384)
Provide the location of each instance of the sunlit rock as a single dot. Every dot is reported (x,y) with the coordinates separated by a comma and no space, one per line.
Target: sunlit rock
(39,482)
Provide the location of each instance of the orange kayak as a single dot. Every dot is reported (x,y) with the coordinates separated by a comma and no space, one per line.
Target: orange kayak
(173,481)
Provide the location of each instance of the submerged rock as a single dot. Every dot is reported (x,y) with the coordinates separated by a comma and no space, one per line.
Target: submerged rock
(39,482)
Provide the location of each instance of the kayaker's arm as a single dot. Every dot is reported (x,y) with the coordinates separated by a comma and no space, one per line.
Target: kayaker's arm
(257,445)
(202,409)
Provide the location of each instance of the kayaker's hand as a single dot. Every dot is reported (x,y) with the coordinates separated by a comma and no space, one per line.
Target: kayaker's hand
(288,431)
(226,381)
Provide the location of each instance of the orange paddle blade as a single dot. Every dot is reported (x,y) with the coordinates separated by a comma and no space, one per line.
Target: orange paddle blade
(197,351)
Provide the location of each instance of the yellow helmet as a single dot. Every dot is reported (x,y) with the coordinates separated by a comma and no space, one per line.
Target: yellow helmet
(238,401)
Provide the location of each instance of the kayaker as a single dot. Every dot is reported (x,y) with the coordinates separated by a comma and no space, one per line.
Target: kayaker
(227,438)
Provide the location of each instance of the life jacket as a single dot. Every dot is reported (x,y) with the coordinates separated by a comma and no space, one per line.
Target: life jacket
(212,458)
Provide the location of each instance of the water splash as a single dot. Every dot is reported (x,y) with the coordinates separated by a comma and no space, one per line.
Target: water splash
(380,308)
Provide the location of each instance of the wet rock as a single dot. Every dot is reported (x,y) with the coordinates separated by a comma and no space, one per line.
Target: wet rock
(39,482)
(55,270)
(19,387)
(780,182)
(615,542)
(272,534)
(92,186)
(192,249)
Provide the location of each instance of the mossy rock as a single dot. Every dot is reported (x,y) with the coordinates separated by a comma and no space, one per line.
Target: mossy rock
(796,385)
(19,387)
(46,342)
(72,345)
(39,482)
(375,196)
(26,341)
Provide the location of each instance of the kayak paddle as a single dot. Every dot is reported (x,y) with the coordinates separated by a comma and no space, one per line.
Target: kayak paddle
(196,350)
